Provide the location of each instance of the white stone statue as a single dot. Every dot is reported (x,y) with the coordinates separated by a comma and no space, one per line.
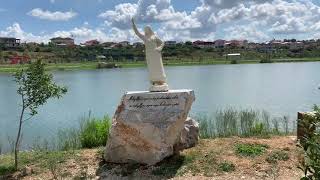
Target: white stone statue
(153,47)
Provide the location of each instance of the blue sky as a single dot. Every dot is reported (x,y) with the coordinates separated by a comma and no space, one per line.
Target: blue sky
(109,20)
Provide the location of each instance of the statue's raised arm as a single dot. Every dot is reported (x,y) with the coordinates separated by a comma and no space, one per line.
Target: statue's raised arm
(135,29)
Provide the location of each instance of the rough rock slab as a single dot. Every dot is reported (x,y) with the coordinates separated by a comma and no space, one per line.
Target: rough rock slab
(189,136)
(147,125)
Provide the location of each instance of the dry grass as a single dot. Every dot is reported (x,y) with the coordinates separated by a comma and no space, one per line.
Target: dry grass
(211,159)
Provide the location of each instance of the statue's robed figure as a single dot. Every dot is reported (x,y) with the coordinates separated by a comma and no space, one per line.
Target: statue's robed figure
(153,47)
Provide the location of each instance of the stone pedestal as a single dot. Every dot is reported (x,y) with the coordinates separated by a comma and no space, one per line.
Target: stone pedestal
(147,125)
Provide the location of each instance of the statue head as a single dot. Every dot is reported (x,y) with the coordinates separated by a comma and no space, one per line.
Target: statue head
(148,32)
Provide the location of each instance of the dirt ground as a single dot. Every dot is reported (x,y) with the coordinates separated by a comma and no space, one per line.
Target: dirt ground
(199,162)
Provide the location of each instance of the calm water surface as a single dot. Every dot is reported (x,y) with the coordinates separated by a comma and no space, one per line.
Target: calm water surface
(281,89)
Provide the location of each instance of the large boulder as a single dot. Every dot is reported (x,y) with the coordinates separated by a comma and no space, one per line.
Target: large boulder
(147,125)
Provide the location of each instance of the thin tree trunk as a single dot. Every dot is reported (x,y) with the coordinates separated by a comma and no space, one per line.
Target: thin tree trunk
(16,147)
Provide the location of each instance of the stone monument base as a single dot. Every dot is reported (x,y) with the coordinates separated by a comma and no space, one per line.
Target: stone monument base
(147,126)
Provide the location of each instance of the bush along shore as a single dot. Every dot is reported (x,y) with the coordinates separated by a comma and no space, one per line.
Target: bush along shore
(234,144)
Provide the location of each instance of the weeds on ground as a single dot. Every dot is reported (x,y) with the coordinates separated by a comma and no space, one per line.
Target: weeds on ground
(227,166)
(250,150)
(276,156)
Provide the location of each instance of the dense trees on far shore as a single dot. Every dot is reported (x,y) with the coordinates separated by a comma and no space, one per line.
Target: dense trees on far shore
(179,52)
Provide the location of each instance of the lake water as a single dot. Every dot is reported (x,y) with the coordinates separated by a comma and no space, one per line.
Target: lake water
(281,89)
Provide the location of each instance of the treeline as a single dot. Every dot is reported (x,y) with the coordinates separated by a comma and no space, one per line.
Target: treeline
(179,52)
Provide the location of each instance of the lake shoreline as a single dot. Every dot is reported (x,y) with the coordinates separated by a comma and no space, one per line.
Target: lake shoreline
(94,65)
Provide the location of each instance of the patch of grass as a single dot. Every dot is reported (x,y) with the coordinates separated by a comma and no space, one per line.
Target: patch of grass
(250,150)
(243,123)
(6,169)
(68,139)
(42,159)
(226,166)
(276,156)
(92,132)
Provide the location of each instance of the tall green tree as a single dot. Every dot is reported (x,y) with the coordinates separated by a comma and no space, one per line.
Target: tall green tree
(35,87)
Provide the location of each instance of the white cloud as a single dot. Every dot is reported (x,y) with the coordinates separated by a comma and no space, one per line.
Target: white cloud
(52,16)
(249,32)
(255,20)
(52,1)
(16,31)
(80,34)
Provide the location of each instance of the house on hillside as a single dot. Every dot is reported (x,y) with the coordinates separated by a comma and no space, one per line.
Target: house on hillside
(138,45)
(170,43)
(237,43)
(9,42)
(108,45)
(59,41)
(124,43)
(91,43)
(219,43)
(203,44)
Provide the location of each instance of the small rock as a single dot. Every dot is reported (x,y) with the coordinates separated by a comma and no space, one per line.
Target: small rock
(27,171)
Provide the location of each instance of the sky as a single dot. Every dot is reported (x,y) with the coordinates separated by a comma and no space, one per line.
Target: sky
(179,20)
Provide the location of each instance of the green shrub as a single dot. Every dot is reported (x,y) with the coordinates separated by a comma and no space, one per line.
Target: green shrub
(250,150)
(94,132)
(276,156)
(4,170)
(266,61)
(234,61)
(311,147)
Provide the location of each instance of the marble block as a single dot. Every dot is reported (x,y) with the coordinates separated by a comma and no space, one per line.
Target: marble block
(147,125)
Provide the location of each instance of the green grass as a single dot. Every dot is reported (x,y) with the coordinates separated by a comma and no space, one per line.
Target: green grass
(92,132)
(250,150)
(243,123)
(170,62)
(43,159)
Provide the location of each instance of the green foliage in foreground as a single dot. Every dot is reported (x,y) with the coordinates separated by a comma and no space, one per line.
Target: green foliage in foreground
(92,132)
(250,150)
(243,123)
(311,147)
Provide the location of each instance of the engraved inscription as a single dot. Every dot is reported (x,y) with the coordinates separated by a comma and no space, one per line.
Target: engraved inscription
(137,101)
